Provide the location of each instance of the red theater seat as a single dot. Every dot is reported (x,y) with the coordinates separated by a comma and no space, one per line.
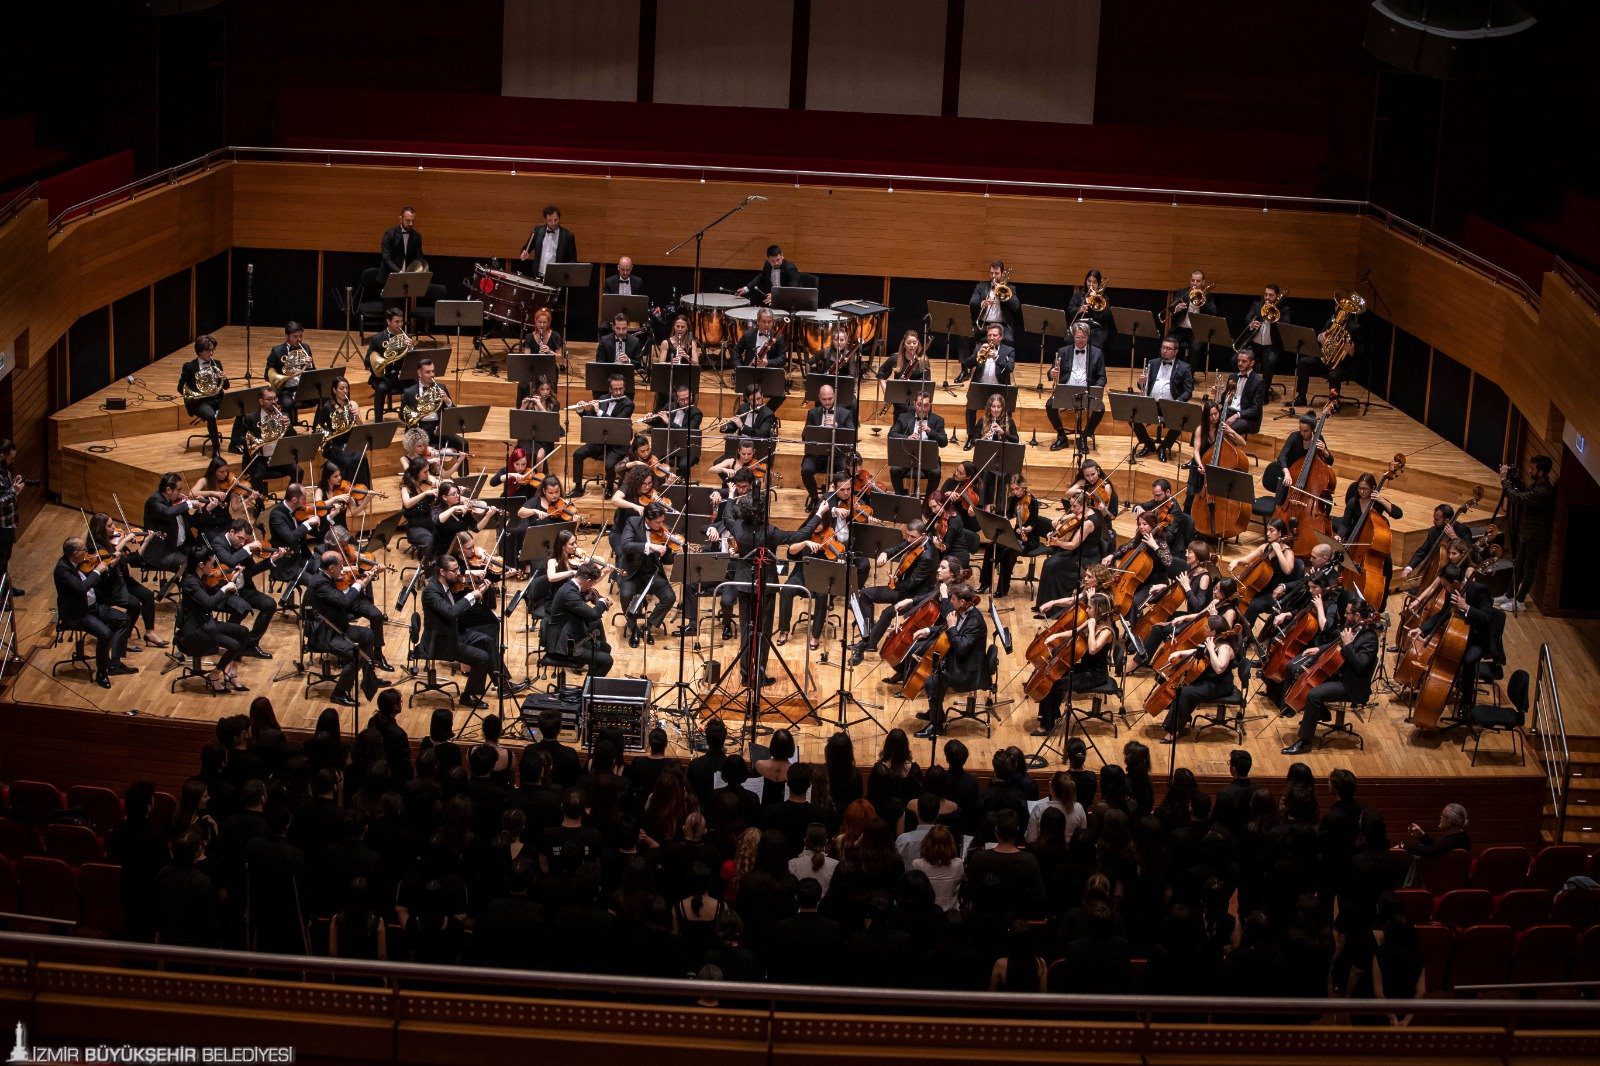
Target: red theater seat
(1500,869)
(101,806)
(1543,953)
(1482,955)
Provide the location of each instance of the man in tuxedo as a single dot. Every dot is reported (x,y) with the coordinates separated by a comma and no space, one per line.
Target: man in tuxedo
(987,310)
(681,413)
(625,282)
(1084,365)
(619,346)
(645,565)
(1179,309)
(908,589)
(291,535)
(1164,378)
(576,628)
(448,638)
(962,666)
(777,273)
(996,370)
(432,424)
(235,548)
(615,404)
(549,243)
(1242,407)
(825,414)
(919,423)
(204,408)
(263,463)
(78,608)
(1261,335)
(330,615)
(1353,683)
(759,532)
(754,418)
(762,344)
(402,244)
(388,383)
(294,336)
(166,512)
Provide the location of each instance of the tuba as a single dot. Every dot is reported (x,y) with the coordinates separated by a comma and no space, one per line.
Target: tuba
(296,361)
(1336,343)
(207,382)
(394,350)
(274,424)
(430,401)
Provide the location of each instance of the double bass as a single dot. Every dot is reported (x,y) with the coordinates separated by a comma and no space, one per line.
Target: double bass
(1424,574)
(1311,485)
(1428,668)
(1369,544)
(1215,516)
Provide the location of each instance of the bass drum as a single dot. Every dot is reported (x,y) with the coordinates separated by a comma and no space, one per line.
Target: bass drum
(706,323)
(510,298)
(814,329)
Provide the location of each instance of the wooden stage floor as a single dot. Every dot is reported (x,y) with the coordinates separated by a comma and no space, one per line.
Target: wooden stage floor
(148,441)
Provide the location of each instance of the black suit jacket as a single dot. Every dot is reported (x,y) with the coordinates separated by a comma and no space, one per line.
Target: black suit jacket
(1255,312)
(1360,656)
(284,531)
(1252,405)
(618,408)
(745,349)
(195,606)
(72,589)
(1005,361)
(1179,296)
(1182,379)
(566,245)
(1010,310)
(391,373)
(331,610)
(389,251)
(919,580)
(968,644)
(167,519)
(613,284)
(906,424)
(275,356)
(231,557)
(606,348)
(843,417)
(570,618)
(1095,366)
(764,423)
(442,615)
(186,382)
(760,286)
(631,554)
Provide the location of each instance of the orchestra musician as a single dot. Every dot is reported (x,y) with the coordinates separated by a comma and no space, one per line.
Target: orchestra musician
(832,513)
(1221,602)
(118,587)
(827,414)
(1101,321)
(329,614)
(387,383)
(402,244)
(988,310)
(908,363)
(681,413)
(1194,578)
(223,496)
(449,601)
(1262,336)
(419,489)
(538,395)
(625,282)
(1166,377)
(637,491)
(1278,549)
(1242,407)
(519,481)
(1532,504)
(919,568)
(540,339)
(565,558)
(207,590)
(79,607)
(615,404)
(1312,364)
(1083,365)
(453,513)
(576,626)
(621,346)
(292,535)
(294,341)
(762,345)
(1318,589)
(1021,507)
(754,418)
(645,551)
(1090,669)
(990,362)
(1352,684)
(1080,545)
(1295,447)
(679,345)
(777,273)
(1179,529)
(336,416)
(761,536)
(166,515)
(841,358)
(447,462)
(962,667)
(548,504)
(1446,530)
(921,422)
(640,453)
(743,458)
(428,391)
(1179,309)
(1221,655)
(1202,445)
(268,423)
(995,423)
(202,399)
(953,570)
(1467,596)
(549,243)
(240,552)
(1364,490)
(337,538)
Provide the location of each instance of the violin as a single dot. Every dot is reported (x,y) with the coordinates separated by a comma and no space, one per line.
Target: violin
(908,559)
(665,537)
(966,497)
(1180,670)
(563,510)
(863,481)
(357,565)
(829,546)
(1024,509)
(309,509)
(219,577)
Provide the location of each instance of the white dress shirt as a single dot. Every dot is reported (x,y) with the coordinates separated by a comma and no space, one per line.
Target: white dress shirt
(1162,389)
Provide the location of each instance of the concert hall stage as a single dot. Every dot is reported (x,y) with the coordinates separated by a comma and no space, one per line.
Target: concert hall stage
(101,456)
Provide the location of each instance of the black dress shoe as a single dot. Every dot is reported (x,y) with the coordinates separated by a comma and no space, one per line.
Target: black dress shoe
(121,668)
(857,653)
(964,375)
(1144,451)
(922,715)
(1298,401)
(384,665)
(1299,747)
(927,732)
(968,445)
(342,700)
(633,637)
(102,680)
(18,592)
(650,636)
(727,630)
(477,703)
(1163,454)
(685,630)
(259,652)
(1060,442)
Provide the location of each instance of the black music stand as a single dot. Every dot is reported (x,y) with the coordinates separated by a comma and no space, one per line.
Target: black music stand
(870,541)
(999,459)
(997,530)
(372,437)
(1047,322)
(1297,342)
(1209,330)
(531,366)
(948,318)
(536,425)
(890,507)
(1135,322)
(637,308)
(459,421)
(406,287)
(439,354)
(835,442)
(1082,401)
(667,443)
(693,500)
(299,447)
(459,313)
(566,277)
(1135,409)
(611,432)
(597,377)
(240,402)
(317,385)
(772,380)
(902,393)
(539,542)
(978,395)
(793,298)
(666,377)
(917,456)
(764,446)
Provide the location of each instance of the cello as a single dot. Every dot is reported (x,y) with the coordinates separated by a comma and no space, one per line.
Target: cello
(1310,492)
(1324,668)
(1370,542)
(1183,667)
(1214,516)
(1131,565)
(1065,655)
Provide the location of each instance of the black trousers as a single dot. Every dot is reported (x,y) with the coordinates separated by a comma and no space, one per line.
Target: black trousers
(810,467)
(899,476)
(352,463)
(206,411)
(653,584)
(611,456)
(1091,419)
(343,644)
(480,650)
(1316,709)
(1309,366)
(139,602)
(597,653)
(1081,681)
(1168,439)
(231,638)
(1266,360)
(243,602)
(110,628)
(750,628)
(691,605)
(383,389)
(820,605)
(939,686)
(1191,696)
(869,598)
(1525,567)
(161,557)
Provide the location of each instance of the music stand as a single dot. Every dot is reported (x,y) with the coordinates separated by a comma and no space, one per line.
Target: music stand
(667,442)
(998,456)
(997,530)
(1299,341)
(844,388)
(536,425)
(870,541)
(295,445)
(1082,401)
(1136,322)
(891,507)
(1228,484)
(539,542)
(826,440)
(978,395)
(566,276)
(379,536)
(903,393)
(531,366)
(406,286)
(691,499)
(1047,322)
(1207,329)
(1134,409)
(317,385)
(459,421)
(666,377)
(637,308)
(239,402)
(772,380)
(947,318)
(597,377)
(438,353)
(458,313)
(612,432)
(372,437)
(793,298)
(917,456)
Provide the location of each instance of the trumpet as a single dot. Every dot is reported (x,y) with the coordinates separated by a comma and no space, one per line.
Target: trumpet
(986,351)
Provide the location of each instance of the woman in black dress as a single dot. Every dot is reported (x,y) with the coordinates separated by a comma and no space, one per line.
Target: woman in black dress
(1090,670)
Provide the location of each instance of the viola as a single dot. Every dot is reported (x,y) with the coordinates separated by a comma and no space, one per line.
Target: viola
(1311,487)
(908,559)
(1178,672)
(314,508)
(1023,516)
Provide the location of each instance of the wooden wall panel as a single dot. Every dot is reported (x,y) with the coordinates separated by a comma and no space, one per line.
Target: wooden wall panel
(31,404)
(22,242)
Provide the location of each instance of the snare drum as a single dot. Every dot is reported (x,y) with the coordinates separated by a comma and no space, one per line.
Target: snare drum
(707,323)
(510,298)
(815,329)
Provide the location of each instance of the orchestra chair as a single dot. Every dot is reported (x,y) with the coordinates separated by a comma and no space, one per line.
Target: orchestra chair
(79,656)
(1264,506)
(1033,555)
(369,303)
(1499,718)
(420,651)
(1339,724)
(989,687)
(1227,712)
(549,661)
(203,438)
(1112,686)
(319,667)
(189,661)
